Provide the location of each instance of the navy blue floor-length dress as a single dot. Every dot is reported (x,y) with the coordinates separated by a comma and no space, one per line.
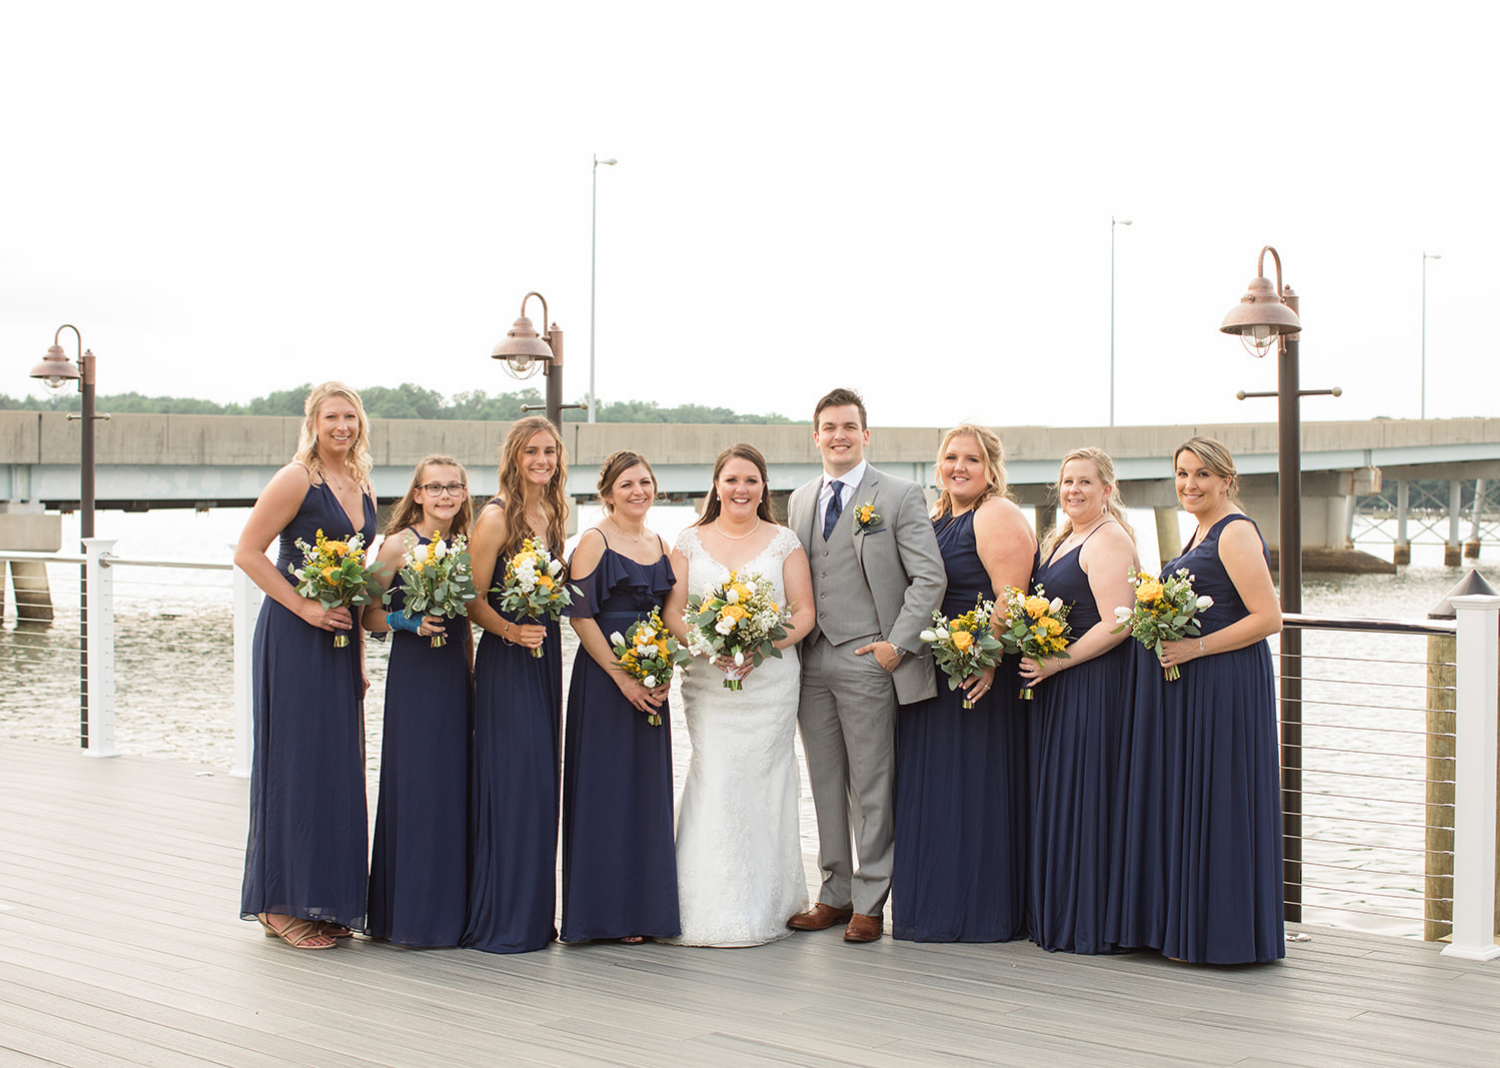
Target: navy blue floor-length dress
(514,806)
(619,864)
(1075,752)
(419,867)
(961,789)
(308,829)
(1198,871)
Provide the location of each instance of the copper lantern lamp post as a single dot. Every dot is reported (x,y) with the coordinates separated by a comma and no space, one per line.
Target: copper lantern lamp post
(525,351)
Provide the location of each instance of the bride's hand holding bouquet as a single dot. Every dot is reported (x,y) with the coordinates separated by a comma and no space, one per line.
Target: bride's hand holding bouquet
(736,625)
(335,575)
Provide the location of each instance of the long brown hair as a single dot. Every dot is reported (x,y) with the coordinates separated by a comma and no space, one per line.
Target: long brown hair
(513,488)
(408,513)
(738,451)
(615,465)
(1114,505)
(1216,457)
(307,437)
(990,451)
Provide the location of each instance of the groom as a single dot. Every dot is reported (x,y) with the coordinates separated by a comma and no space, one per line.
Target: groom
(877,576)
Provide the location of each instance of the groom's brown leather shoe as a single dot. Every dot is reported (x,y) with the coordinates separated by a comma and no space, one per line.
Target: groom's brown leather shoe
(864,928)
(819,918)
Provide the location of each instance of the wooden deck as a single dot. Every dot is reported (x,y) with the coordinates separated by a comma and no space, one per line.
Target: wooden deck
(120,944)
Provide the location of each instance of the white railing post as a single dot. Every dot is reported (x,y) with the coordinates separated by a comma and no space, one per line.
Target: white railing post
(1474,778)
(247,598)
(100,583)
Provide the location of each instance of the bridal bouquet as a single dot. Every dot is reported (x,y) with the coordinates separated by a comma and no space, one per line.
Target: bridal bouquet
(532,587)
(438,580)
(966,645)
(738,619)
(1035,627)
(648,653)
(334,574)
(1165,610)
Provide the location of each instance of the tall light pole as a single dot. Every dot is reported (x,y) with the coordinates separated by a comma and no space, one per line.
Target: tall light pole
(1113,222)
(524,351)
(56,372)
(593,256)
(1425,257)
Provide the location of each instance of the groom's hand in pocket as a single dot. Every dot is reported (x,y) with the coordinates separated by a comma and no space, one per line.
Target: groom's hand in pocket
(886,654)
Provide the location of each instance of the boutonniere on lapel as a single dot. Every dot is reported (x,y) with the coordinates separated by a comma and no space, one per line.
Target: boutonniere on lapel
(866,517)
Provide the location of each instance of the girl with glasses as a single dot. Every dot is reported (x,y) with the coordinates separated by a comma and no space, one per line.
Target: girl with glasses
(419,872)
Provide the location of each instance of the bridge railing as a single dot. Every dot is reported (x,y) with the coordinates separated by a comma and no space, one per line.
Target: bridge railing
(1388,816)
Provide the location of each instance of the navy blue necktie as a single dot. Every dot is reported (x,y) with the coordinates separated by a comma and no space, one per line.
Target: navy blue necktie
(835,508)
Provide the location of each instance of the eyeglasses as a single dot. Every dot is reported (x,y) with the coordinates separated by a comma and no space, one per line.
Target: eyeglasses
(437,489)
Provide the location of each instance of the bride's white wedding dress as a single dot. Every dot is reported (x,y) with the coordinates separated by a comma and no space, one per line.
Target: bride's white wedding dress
(739,850)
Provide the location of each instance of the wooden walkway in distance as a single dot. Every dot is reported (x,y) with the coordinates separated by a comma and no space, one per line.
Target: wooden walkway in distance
(120,944)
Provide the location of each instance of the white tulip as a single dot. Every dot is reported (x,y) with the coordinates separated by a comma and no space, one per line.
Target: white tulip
(1205,602)
(1056,605)
(739,659)
(554,568)
(941,635)
(928,635)
(617,638)
(650,682)
(732,596)
(1122,613)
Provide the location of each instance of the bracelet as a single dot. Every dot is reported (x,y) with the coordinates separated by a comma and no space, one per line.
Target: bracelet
(503,624)
(1200,646)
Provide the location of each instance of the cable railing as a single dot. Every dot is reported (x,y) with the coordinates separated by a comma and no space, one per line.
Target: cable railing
(1377,804)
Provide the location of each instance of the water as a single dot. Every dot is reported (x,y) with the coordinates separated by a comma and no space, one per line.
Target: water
(174,694)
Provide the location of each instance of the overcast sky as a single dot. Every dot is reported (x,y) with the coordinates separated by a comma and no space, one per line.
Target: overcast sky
(911,199)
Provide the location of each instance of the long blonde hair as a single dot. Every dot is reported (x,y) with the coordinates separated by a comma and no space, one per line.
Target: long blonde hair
(1113,504)
(513,488)
(307,439)
(991,452)
(1216,457)
(408,513)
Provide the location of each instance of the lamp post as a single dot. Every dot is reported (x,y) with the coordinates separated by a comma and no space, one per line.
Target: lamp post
(1264,316)
(56,371)
(593,257)
(1425,257)
(1113,222)
(524,351)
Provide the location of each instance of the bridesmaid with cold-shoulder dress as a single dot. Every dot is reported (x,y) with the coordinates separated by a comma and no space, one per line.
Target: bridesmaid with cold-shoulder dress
(419,866)
(961,781)
(517,708)
(305,860)
(1079,710)
(619,867)
(1198,873)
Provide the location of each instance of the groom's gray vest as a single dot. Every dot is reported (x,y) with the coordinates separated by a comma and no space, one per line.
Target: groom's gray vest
(846,608)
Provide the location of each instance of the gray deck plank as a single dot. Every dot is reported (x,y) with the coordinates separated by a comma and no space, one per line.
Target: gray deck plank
(120,944)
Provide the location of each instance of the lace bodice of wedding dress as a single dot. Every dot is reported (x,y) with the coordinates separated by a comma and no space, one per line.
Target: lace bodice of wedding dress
(739,851)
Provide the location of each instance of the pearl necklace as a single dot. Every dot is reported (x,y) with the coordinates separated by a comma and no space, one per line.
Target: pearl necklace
(736,537)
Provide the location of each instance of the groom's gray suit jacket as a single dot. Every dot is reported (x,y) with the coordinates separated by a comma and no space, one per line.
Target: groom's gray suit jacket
(893,566)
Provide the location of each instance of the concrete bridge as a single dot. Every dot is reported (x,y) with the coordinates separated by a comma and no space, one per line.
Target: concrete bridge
(174,461)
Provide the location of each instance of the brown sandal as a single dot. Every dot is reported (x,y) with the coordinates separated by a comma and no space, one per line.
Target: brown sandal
(297,933)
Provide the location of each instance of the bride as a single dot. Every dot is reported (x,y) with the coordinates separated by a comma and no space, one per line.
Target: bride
(739,847)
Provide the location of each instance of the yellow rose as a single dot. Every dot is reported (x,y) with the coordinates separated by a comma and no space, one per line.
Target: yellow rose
(545,582)
(1036,607)
(661,648)
(733,611)
(1052,626)
(645,636)
(328,573)
(419,565)
(338,548)
(1148,591)
(962,640)
(739,588)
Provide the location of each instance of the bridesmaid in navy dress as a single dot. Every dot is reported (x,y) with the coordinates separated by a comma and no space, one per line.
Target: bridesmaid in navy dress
(305,861)
(1079,710)
(419,868)
(961,782)
(1199,874)
(619,864)
(517,707)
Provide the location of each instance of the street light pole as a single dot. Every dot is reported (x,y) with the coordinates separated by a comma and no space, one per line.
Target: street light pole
(593,256)
(1113,222)
(524,351)
(1425,257)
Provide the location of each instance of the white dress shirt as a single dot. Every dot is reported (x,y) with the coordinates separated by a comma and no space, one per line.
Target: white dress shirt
(850,481)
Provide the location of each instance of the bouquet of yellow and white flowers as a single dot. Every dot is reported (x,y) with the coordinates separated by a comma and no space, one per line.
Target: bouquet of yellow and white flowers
(1035,627)
(334,574)
(1165,610)
(532,587)
(966,645)
(438,580)
(646,651)
(737,619)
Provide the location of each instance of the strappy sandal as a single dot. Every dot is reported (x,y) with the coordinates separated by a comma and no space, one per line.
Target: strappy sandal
(335,930)
(297,933)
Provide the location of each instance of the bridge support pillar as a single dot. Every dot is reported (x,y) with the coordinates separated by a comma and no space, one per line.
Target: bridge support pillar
(1401,554)
(1168,536)
(1471,547)
(28,580)
(26,528)
(779,499)
(1046,519)
(1452,548)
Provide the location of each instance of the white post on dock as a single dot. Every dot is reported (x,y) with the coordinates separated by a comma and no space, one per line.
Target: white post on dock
(247,597)
(100,582)
(1474,777)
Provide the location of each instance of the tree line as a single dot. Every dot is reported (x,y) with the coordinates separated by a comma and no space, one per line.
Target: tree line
(406,401)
